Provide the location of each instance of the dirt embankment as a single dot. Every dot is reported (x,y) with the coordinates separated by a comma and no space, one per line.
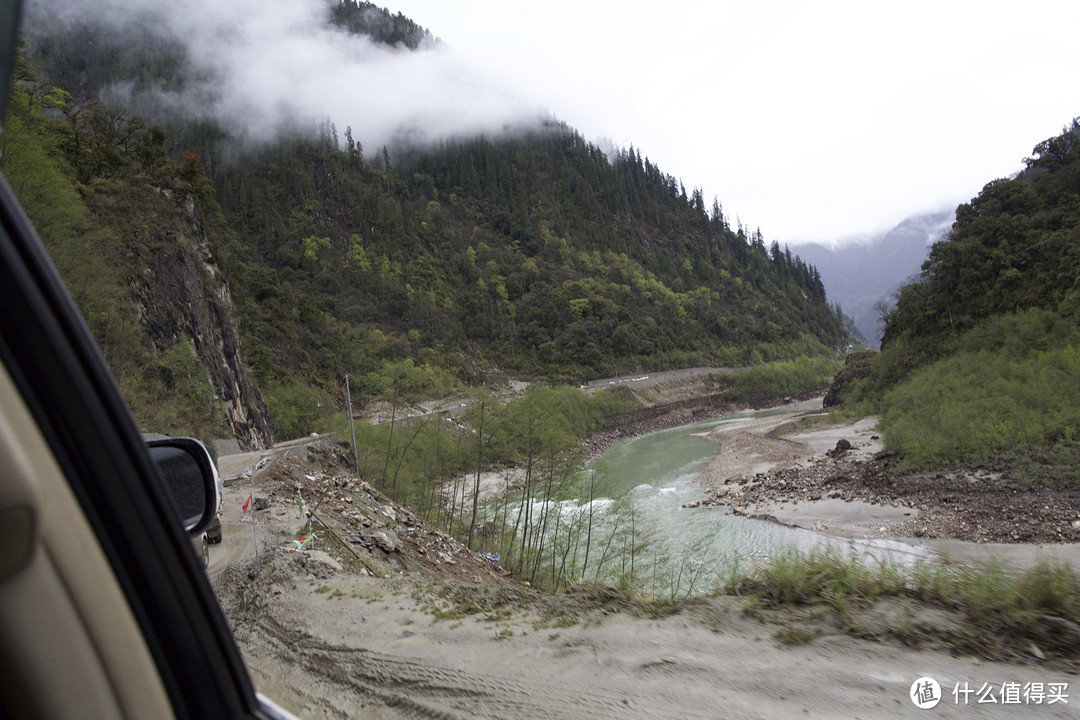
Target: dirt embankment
(354,526)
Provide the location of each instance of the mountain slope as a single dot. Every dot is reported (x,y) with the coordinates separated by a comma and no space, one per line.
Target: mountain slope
(1013,247)
(860,275)
(533,254)
(412,268)
(980,358)
(136,248)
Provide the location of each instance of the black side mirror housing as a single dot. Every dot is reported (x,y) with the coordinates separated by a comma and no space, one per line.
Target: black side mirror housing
(189,474)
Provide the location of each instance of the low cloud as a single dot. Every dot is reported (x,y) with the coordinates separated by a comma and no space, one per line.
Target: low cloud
(263,66)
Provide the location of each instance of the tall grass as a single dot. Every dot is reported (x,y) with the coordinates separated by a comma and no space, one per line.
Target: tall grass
(1005,609)
(796,578)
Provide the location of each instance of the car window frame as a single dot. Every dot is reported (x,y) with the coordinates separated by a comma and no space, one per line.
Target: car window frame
(65,383)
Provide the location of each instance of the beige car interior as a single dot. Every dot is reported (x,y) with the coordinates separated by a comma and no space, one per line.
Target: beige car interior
(69,645)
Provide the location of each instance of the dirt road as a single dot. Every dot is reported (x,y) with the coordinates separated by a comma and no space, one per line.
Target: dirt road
(364,648)
(642,381)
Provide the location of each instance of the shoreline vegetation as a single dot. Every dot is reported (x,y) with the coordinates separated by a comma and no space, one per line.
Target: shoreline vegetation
(976,598)
(531,442)
(1004,613)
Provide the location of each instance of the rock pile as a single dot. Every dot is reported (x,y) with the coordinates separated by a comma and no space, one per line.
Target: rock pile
(357,524)
(963,503)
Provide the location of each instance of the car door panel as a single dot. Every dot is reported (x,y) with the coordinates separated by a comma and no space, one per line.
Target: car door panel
(62,380)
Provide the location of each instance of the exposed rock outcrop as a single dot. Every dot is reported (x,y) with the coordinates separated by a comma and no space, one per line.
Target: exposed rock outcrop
(183,294)
(857,365)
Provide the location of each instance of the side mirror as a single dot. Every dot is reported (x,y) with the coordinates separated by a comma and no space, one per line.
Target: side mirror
(189,474)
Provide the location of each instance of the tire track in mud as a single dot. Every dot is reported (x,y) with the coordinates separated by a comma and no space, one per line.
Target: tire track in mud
(339,671)
(411,689)
(421,690)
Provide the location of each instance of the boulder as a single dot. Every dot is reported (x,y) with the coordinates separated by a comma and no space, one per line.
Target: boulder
(842,446)
(324,559)
(385,540)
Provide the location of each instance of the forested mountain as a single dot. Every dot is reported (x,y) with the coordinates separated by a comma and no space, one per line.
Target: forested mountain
(364,18)
(1015,246)
(533,253)
(134,247)
(137,61)
(980,358)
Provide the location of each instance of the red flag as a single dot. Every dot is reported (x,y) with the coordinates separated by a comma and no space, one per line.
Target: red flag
(245,506)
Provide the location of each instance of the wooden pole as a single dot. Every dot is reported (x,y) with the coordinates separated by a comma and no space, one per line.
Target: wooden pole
(352,428)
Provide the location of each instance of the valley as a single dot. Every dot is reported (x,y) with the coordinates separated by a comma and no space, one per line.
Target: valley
(590,472)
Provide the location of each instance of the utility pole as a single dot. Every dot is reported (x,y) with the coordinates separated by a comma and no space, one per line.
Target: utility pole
(352,428)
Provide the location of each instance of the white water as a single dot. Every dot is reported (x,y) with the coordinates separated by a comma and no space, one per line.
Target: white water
(659,472)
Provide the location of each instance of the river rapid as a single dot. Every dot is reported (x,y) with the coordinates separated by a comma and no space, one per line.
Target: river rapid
(641,485)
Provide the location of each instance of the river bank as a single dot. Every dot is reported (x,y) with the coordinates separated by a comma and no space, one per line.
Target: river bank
(836,480)
(501,481)
(619,429)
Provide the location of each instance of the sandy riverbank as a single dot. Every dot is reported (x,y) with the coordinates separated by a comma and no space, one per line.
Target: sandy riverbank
(800,479)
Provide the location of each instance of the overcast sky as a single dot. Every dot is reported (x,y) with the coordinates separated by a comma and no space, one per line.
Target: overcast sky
(813,120)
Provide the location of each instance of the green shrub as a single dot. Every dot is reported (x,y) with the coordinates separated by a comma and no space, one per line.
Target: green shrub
(774,380)
(981,406)
(297,409)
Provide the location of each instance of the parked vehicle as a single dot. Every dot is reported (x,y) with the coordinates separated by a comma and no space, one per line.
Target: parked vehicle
(213,533)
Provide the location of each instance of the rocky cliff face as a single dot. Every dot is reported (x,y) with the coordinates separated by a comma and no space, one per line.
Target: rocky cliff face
(183,294)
